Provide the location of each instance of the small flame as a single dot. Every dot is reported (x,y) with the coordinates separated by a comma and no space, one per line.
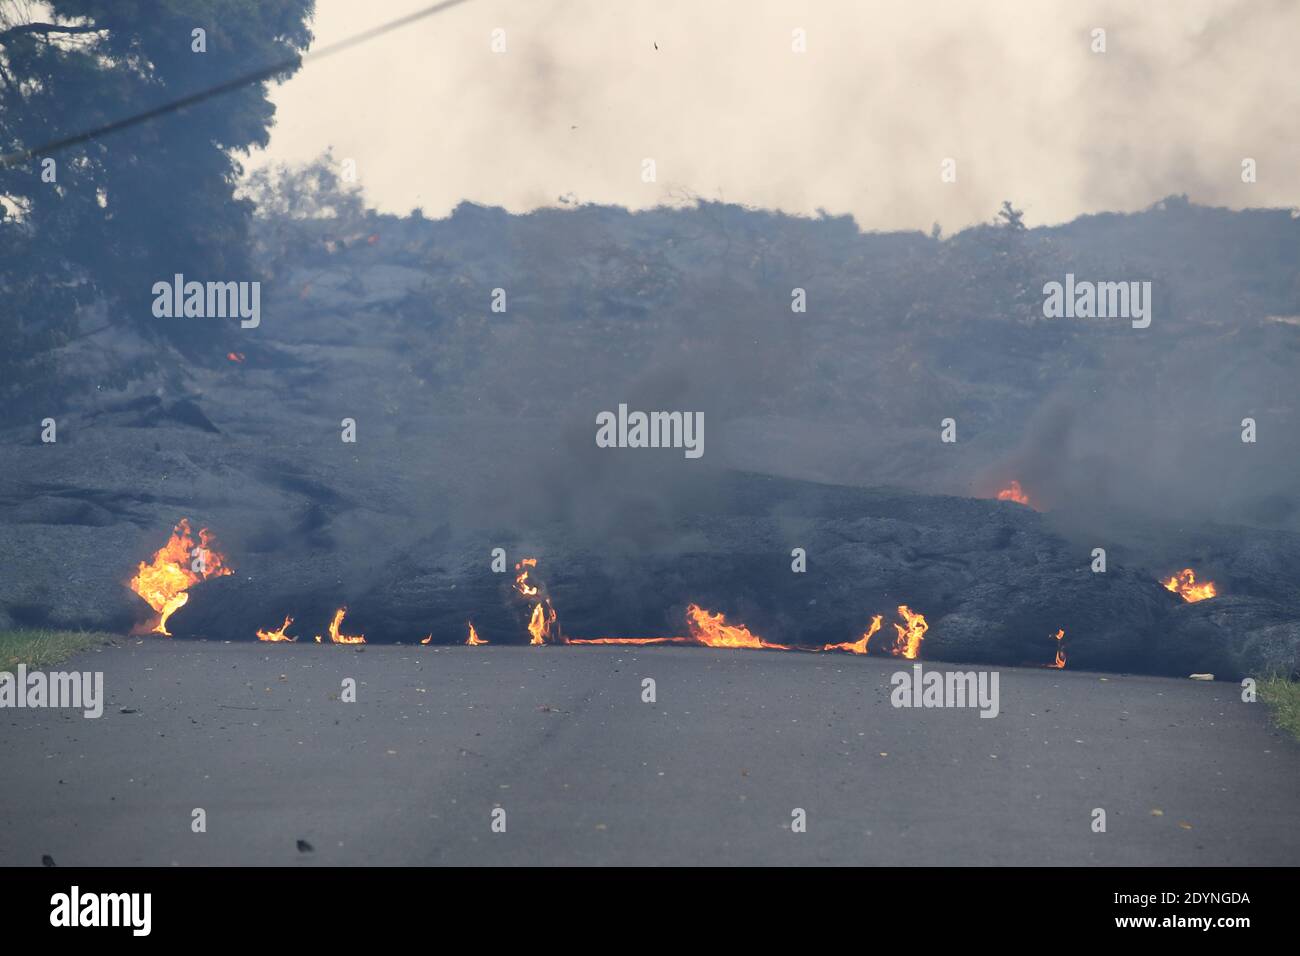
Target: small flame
(336,636)
(473,640)
(522,584)
(1060,650)
(1014,493)
(860,645)
(278,634)
(163,583)
(235,356)
(1184,585)
(427,639)
(908,644)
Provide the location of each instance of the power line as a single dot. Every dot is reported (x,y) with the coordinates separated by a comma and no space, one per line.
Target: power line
(257,76)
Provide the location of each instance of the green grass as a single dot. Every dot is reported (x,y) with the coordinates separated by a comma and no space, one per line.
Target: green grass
(39,648)
(1283,699)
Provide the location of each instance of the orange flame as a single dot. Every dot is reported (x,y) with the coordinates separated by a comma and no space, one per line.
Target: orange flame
(278,634)
(1184,585)
(427,639)
(1060,650)
(543,618)
(164,582)
(1014,493)
(908,644)
(521,579)
(539,626)
(336,636)
(860,645)
(712,630)
(474,640)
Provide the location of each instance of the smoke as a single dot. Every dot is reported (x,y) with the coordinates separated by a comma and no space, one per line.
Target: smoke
(1170,445)
(859,123)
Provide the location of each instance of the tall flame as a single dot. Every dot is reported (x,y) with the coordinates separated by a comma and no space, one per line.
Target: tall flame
(279,634)
(860,645)
(539,626)
(473,640)
(336,636)
(910,635)
(542,621)
(1184,585)
(163,583)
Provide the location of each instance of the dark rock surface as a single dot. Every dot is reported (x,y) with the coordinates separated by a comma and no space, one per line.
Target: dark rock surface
(994,579)
(475,432)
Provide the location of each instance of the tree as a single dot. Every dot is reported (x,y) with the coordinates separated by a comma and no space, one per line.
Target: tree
(1011,217)
(104,219)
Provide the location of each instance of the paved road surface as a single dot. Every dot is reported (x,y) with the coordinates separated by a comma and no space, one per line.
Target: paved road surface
(588,773)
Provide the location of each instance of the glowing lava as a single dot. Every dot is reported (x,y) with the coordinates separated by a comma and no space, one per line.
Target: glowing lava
(908,644)
(634,641)
(1013,492)
(337,636)
(1184,585)
(279,634)
(860,645)
(711,629)
(176,567)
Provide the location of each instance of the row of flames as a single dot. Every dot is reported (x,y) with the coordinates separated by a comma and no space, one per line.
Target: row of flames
(335,631)
(183,561)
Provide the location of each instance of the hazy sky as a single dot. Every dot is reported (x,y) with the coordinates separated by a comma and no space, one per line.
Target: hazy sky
(860,123)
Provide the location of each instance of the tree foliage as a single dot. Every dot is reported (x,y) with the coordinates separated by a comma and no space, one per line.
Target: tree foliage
(140,204)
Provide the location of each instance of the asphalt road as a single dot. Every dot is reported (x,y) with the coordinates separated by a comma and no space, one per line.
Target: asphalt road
(587,773)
